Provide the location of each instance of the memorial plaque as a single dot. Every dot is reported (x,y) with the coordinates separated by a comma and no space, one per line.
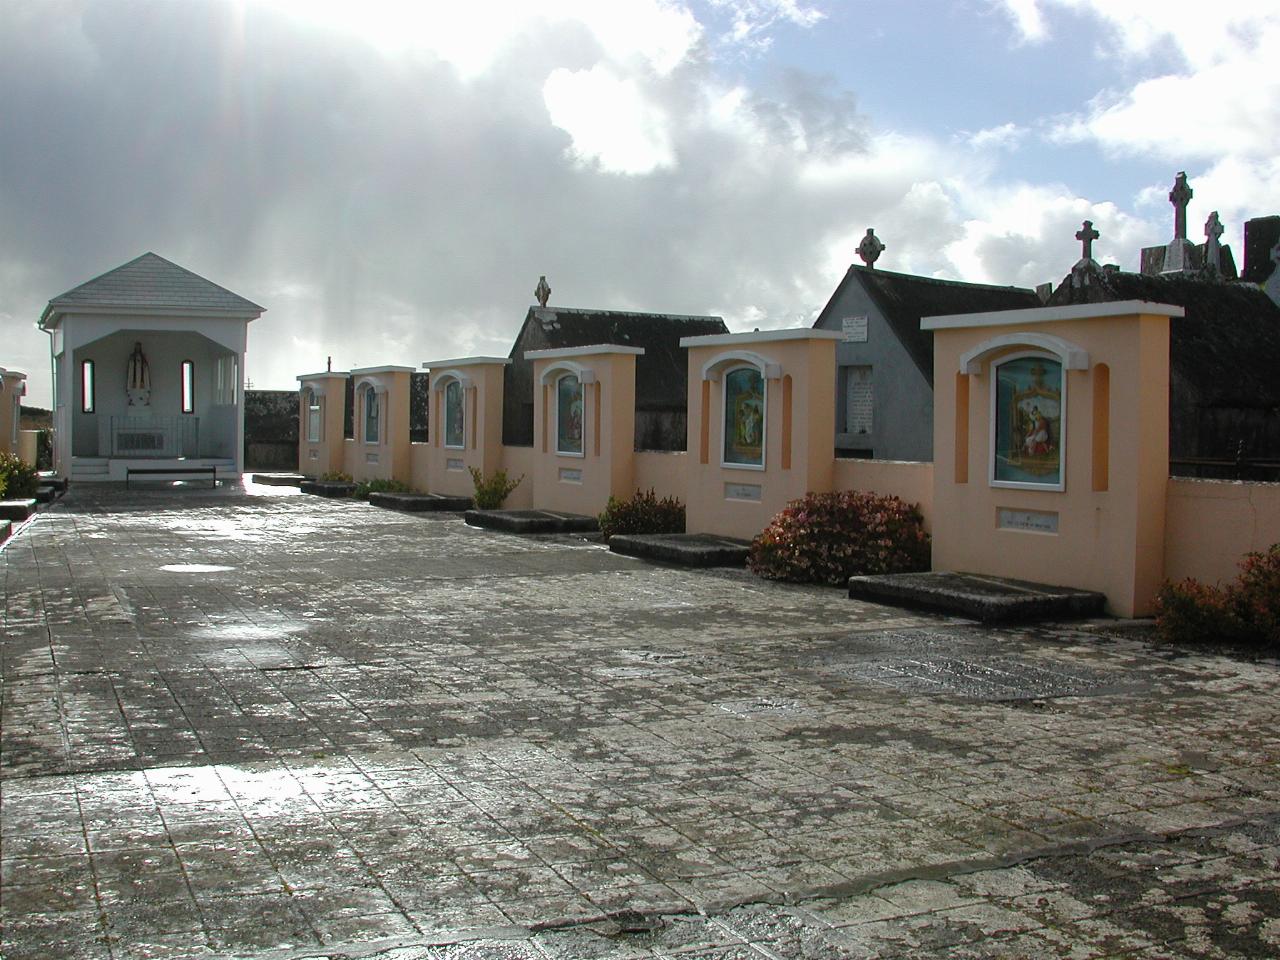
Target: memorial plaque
(570,475)
(370,458)
(313,454)
(742,491)
(855,329)
(1028,521)
(859,402)
(454,463)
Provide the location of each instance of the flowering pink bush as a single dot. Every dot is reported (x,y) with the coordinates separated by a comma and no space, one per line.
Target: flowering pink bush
(829,537)
(1245,612)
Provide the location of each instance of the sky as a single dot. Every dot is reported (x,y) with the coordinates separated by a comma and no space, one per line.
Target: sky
(389,178)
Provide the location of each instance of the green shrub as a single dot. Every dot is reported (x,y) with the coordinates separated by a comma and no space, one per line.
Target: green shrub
(1245,612)
(366,487)
(642,513)
(829,537)
(336,476)
(492,491)
(18,479)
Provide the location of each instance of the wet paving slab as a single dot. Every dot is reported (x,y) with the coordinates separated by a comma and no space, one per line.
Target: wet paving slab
(250,723)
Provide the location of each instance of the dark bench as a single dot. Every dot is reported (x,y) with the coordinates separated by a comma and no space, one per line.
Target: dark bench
(130,471)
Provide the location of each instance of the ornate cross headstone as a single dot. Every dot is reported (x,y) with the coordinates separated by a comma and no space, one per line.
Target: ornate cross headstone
(1180,196)
(542,293)
(1086,235)
(870,248)
(1213,229)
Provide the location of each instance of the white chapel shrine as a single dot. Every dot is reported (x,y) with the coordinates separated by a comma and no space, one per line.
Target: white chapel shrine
(148,361)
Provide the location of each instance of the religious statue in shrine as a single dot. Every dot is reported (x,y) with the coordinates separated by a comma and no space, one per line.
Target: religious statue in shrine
(138,378)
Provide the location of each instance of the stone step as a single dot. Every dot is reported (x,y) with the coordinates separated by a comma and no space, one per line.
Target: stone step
(532,521)
(978,597)
(684,549)
(419,502)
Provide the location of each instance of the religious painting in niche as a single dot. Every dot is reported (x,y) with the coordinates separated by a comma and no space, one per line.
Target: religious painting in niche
(453,414)
(568,415)
(1028,421)
(744,411)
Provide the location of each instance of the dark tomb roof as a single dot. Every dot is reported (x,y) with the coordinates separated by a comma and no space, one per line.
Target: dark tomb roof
(1226,348)
(661,372)
(904,298)
(1261,234)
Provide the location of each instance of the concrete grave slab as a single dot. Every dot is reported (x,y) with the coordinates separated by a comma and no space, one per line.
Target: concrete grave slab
(532,521)
(17,510)
(984,598)
(419,502)
(683,549)
(327,488)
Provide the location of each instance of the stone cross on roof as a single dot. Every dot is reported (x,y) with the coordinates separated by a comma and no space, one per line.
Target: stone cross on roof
(1086,235)
(870,248)
(1180,196)
(542,293)
(1213,229)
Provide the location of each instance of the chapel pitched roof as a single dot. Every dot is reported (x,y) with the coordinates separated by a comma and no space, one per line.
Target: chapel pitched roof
(152,284)
(904,298)
(661,374)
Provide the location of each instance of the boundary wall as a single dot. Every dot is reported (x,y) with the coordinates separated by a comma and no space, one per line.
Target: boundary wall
(1096,510)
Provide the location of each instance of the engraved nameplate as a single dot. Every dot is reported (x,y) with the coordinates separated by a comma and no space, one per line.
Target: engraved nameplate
(314,454)
(570,475)
(454,463)
(370,458)
(1028,521)
(742,491)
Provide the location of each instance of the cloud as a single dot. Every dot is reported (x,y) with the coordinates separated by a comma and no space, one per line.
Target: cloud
(1026,17)
(1007,136)
(1214,91)
(752,20)
(472,37)
(611,120)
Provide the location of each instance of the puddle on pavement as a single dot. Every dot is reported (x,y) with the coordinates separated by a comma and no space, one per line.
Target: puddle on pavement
(761,706)
(984,678)
(195,568)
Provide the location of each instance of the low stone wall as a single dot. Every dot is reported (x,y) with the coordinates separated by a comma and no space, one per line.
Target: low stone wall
(1211,524)
(664,472)
(910,480)
(271,429)
(518,461)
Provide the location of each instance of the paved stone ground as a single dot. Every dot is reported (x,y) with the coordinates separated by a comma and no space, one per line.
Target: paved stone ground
(259,724)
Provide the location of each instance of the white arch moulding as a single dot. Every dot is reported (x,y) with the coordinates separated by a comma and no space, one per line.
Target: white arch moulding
(1073,356)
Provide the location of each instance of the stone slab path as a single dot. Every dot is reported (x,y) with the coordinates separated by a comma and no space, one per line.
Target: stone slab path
(252,723)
